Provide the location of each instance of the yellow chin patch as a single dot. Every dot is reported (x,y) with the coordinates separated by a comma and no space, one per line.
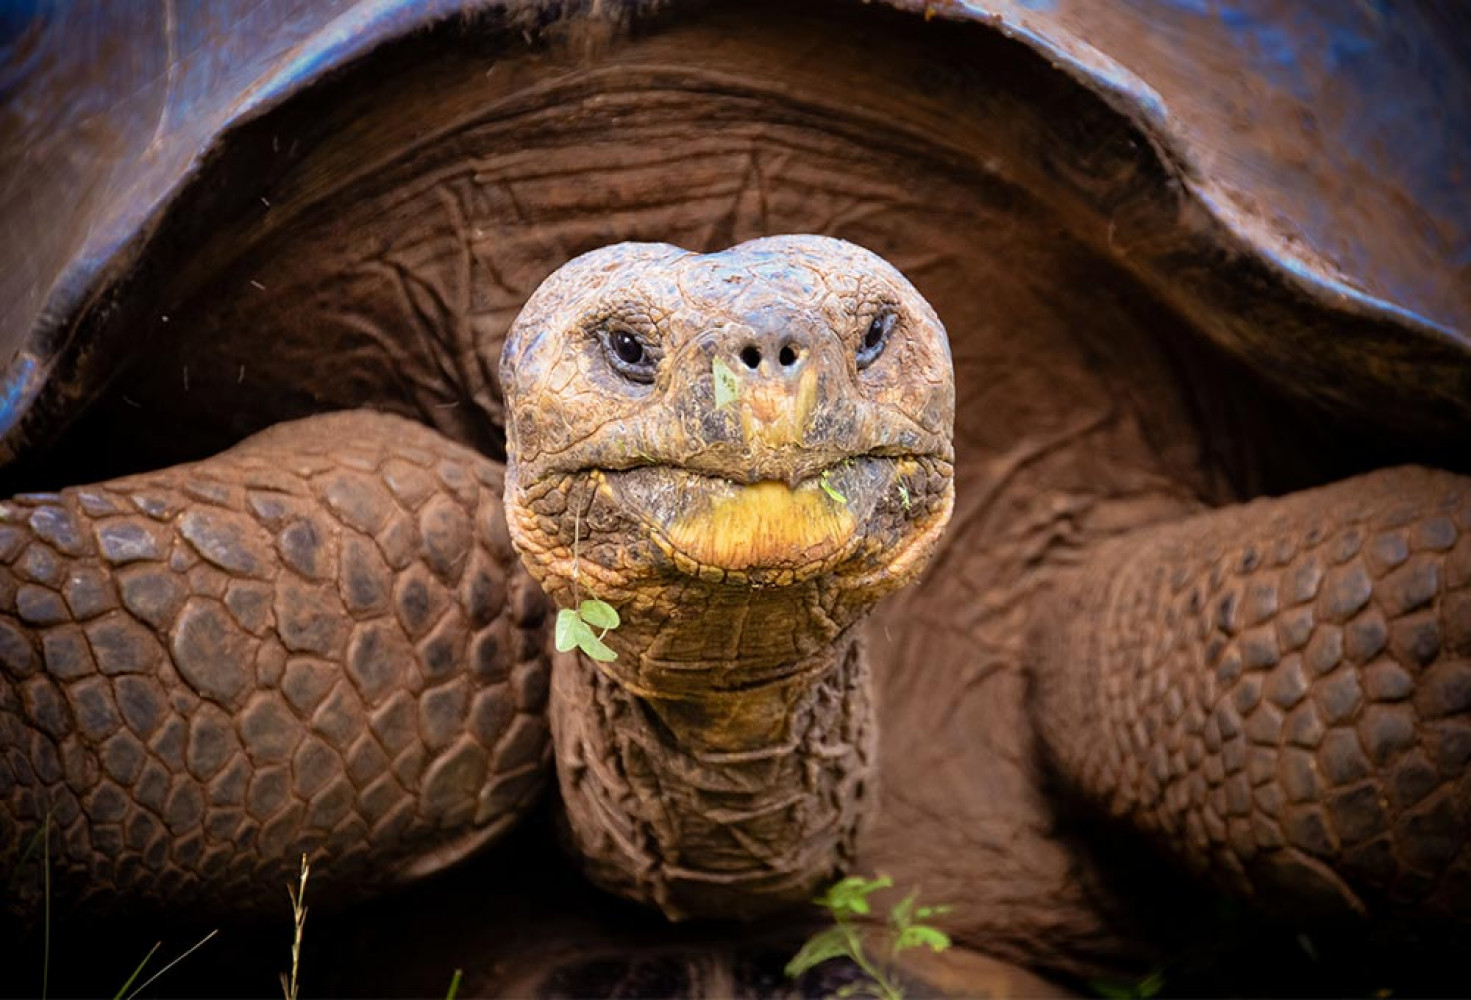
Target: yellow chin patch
(765,524)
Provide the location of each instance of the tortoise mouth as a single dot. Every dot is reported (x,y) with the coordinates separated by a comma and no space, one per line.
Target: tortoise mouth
(775,533)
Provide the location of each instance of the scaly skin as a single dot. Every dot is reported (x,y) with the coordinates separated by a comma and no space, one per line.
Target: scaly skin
(317,641)
(1280,693)
(700,826)
(1277,693)
(721,766)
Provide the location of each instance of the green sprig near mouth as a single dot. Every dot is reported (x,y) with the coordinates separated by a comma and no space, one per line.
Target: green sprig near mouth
(829,488)
(575,629)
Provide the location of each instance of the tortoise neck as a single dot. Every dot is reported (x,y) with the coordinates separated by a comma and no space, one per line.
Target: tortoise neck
(707,650)
(726,805)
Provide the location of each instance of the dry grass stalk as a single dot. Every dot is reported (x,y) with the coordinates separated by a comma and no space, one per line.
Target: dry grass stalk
(298,909)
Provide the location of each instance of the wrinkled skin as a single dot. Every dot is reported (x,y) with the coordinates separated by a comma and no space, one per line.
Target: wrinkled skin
(428,199)
(1256,728)
(720,765)
(742,539)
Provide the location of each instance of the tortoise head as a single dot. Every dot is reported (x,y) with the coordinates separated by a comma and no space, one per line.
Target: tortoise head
(756,431)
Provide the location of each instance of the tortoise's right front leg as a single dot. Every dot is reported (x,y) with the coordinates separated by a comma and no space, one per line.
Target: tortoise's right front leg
(319,641)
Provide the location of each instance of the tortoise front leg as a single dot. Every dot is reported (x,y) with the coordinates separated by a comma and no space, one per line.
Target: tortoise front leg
(319,641)
(1281,692)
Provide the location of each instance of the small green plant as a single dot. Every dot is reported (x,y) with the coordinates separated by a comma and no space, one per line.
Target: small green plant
(727,384)
(904,494)
(847,901)
(829,488)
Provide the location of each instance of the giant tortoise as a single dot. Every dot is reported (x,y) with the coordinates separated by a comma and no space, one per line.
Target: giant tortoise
(295,497)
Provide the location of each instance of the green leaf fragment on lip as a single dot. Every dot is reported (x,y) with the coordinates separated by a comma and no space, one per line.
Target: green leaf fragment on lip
(830,489)
(727,384)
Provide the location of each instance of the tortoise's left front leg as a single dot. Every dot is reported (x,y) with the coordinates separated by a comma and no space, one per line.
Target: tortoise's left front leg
(318,641)
(1281,693)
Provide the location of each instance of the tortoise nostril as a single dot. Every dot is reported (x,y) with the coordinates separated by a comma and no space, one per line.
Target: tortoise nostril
(788,355)
(751,356)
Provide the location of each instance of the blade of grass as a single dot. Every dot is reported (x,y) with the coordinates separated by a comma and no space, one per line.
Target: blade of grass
(46,932)
(175,962)
(25,856)
(119,994)
(454,985)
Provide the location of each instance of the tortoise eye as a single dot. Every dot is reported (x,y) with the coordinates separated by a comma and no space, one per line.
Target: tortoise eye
(629,356)
(627,347)
(876,338)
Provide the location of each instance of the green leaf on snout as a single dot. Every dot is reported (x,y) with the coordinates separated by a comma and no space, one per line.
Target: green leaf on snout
(598,614)
(727,384)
